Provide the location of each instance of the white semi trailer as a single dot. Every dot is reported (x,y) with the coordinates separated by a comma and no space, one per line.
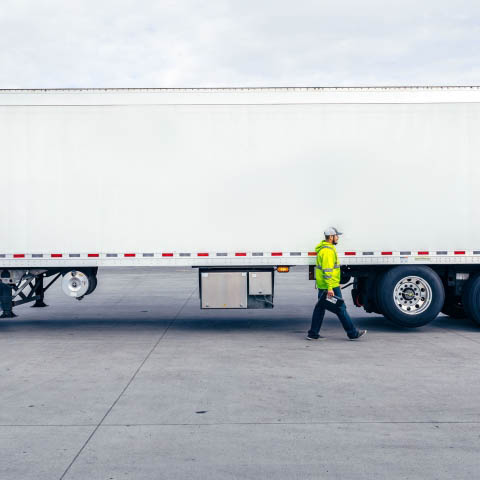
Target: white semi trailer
(240,182)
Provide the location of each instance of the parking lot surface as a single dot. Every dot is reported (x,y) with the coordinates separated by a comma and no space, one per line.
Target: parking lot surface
(136,382)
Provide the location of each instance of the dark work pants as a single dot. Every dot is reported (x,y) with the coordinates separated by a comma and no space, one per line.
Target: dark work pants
(319,312)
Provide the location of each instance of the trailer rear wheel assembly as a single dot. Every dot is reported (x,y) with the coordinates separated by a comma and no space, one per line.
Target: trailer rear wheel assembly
(77,283)
(471,298)
(411,296)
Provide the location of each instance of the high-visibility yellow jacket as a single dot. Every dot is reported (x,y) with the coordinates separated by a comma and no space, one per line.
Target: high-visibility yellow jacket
(327,273)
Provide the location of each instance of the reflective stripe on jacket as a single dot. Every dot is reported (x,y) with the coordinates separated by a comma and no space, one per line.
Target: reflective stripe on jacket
(327,273)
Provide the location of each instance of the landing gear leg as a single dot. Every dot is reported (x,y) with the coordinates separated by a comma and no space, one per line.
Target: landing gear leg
(39,290)
(6,301)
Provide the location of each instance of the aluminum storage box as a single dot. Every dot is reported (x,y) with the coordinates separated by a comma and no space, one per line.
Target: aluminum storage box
(224,289)
(260,283)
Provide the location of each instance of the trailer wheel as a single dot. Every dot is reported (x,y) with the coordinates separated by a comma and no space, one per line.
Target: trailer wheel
(471,298)
(75,283)
(411,296)
(78,283)
(453,308)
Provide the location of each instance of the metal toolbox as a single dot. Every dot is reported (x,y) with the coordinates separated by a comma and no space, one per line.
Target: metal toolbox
(223,289)
(260,283)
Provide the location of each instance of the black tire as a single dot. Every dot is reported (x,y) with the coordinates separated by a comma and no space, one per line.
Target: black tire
(377,296)
(453,308)
(92,284)
(387,304)
(471,298)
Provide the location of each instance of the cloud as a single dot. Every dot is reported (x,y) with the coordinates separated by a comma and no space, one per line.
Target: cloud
(148,43)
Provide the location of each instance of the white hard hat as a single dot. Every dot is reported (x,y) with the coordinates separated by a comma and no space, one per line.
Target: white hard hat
(332,231)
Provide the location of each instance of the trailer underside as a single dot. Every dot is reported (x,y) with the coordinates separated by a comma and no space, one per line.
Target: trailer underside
(408,294)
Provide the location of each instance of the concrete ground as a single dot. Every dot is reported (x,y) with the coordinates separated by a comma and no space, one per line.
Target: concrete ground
(136,382)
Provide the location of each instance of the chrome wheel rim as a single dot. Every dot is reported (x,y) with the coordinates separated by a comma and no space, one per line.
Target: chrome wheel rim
(75,284)
(412,295)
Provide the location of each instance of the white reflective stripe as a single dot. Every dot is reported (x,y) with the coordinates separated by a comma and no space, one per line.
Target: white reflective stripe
(336,266)
(327,269)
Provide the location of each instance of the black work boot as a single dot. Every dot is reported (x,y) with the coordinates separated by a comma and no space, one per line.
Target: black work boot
(312,336)
(7,314)
(360,334)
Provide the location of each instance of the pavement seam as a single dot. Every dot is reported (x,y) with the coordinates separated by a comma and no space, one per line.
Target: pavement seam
(332,422)
(127,385)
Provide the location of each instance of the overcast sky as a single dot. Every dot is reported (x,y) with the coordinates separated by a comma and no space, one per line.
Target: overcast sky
(193,43)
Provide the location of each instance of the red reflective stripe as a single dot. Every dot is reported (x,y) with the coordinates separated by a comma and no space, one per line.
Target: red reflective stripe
(129,254)
(56,255)
(312,254)
(240,254)
(202,254)
(387,253)
(423,253)
(350,253)
(18,255)
(276,254)
(459,252)
(93,255)
(167,254)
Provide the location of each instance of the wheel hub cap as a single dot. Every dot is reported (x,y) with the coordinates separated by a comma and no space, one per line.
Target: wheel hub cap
(412,295)
(75,284)
(408,294)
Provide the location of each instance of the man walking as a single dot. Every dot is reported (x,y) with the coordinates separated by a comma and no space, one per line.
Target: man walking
(327,276)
